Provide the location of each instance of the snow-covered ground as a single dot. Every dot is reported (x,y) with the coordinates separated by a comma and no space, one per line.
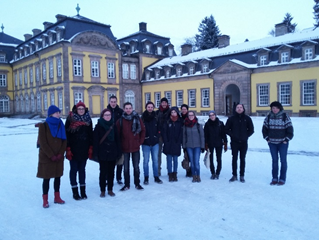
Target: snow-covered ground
(212,209)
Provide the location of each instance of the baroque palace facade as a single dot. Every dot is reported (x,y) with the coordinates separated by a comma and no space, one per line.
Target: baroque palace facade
(78,59)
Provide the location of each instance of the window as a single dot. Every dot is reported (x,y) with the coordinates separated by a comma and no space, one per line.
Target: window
(147,97)
(17,104)
(192,98)
(167,73)
(157,75)
(51,74)
(77,67)
(205,68)
(58,36)
(4,104)
(32,103)
(39,102)
(78,97)
(308,53)
(25,77)
(95,68)
(170,52)
(125,71)
(16,79)
(45,101)
(129,96)
(285,94)
(52,98)
(157,99)
(44,72)
(60,99)
(263,60)
(20,78)
(37,74)
(133,71)
(3,80)
(179,98)
(308,93)
(191,70)
(147,76)
(59,67)
(159,50)
(205,97)
(27,103)
(179,72)
(21,104)
(284,57)
(263,95)
(168,95)
(2,58)
(31,74)
(147,48)
(110,70)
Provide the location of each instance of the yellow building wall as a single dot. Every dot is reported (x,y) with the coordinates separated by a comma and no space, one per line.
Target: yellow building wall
(146,61)
(293,76)
(10,84)
(164,86)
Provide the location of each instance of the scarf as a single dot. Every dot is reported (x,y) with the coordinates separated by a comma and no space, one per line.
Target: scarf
(174,118)
(136,126)
(55,129)
(148,117)
(76,121)
(106,125)
(190,123)
(164,109)
(184,115)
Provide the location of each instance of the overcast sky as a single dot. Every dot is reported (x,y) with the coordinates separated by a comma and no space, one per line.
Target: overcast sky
(177,19)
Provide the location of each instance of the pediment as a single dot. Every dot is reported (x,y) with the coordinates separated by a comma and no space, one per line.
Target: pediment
(95,39)
(229,67)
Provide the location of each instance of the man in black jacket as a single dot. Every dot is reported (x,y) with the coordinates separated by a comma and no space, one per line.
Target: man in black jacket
(239,127)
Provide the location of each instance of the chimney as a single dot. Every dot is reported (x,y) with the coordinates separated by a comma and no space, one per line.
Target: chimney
(223,41)
(36,31)
(60,17)
(47,24)
(281,29)
(27,36)
(186,49)
(143,26)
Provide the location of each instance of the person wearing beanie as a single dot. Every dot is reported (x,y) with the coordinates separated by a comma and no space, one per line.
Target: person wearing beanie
(172,138)
(79,133)
(277,130)
(215,140)
(150,144)
(239,127)
(117,113)
(162,116)
(52,140)
(106,150)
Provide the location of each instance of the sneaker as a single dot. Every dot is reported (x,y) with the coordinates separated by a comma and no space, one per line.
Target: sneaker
(119,182)
(242,179)
(139,187)
(274,182)
(233,179)
(280,183)
(124,188)
(158,180)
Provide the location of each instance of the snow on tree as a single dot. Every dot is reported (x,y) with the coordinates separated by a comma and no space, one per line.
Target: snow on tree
(316,13)
(208,33)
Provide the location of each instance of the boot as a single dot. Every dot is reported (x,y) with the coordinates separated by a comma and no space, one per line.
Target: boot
(198,178)
(146,180)
(57,198)
(175,177)
(170,177)
(189,173)
(76,195)
(158,180)
(83,193)
(45,200)
(194,179)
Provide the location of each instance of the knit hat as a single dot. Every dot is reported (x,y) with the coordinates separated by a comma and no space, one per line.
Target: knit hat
(149,102)
(212,111)
(164,99)
(174,109)
(53,109)
(105,110)
(184,105)
(276,104)
(80,104)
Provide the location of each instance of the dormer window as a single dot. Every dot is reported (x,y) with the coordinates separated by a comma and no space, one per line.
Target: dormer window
(170,52)
(147,76)
(284,57)
(148,48)
(157,74)
(263,60)
(132,49)
(308,54)
(205,67)
(159,50)
(167,73)
(2,58)
(179,72)
(308,50)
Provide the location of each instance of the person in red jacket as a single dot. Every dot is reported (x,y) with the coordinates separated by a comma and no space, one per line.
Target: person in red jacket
(132,134)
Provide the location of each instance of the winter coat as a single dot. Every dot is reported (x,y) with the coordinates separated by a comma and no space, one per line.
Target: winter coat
(239,127)
(107,150)
(172,134)
(162,117)
(116,112)
(193,136)
(151,128)
(215,135)
(277,128)
(130,142)
(50,146)
(79,141)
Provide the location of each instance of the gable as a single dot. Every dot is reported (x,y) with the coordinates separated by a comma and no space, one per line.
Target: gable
(96,39)
(229,67)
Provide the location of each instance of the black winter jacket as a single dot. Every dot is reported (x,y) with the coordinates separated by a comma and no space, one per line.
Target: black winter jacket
(239,127)
(215,135)
(152,128)
(172,134)
(116,112)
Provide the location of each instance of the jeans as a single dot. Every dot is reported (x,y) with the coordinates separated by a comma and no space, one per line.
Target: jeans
(240,147)
(159,159)
(106,173)
(282,149)
(77,166)
(193,155)
(153,150)
(171,159)
(218,158)
(136,169)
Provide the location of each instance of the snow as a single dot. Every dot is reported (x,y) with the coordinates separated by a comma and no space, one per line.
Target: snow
(212,209)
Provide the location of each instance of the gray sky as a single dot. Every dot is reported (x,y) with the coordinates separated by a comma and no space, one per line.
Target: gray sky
(177,19)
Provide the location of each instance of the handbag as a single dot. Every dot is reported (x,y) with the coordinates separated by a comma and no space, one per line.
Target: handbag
(185,162)
(207,159)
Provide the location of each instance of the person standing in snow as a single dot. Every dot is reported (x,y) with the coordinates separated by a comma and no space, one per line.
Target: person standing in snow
(79,134)
(52,140)
(239,127)
(277,130)
(215,139)
(184,114)
(194,142)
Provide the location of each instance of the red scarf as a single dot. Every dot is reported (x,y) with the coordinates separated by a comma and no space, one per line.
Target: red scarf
(174,118)
(190,123)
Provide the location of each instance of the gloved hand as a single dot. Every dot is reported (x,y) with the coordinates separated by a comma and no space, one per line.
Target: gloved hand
(90,152)
(54,158)
(225,147)
(206,146)
(69,154)
(202,150)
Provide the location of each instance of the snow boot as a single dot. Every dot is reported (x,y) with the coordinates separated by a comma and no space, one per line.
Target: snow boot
(146,180)
(170,177)
(233,179)
(57,198)
(76,195)
(175,177)
(194,179)
(45,201)
(83,193)
(158,180)
(198,178)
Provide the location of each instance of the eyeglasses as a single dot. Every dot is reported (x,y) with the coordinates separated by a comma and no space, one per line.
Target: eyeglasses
(81,109)
(211,115)
(191,115)
(107,115)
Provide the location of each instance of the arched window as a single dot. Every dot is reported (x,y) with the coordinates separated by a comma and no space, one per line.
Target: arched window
(27,103)
(32,102)
(4,104)
(39,102)
(17,104)
(130,97)
(21,104)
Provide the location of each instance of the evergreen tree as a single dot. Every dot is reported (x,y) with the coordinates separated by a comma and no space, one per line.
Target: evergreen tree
(208,33)
(287,20)
(316,13)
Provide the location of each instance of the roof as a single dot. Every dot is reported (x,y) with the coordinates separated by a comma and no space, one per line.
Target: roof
(7,39)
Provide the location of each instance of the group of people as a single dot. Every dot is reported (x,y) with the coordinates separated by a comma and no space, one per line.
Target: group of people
(119,134)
